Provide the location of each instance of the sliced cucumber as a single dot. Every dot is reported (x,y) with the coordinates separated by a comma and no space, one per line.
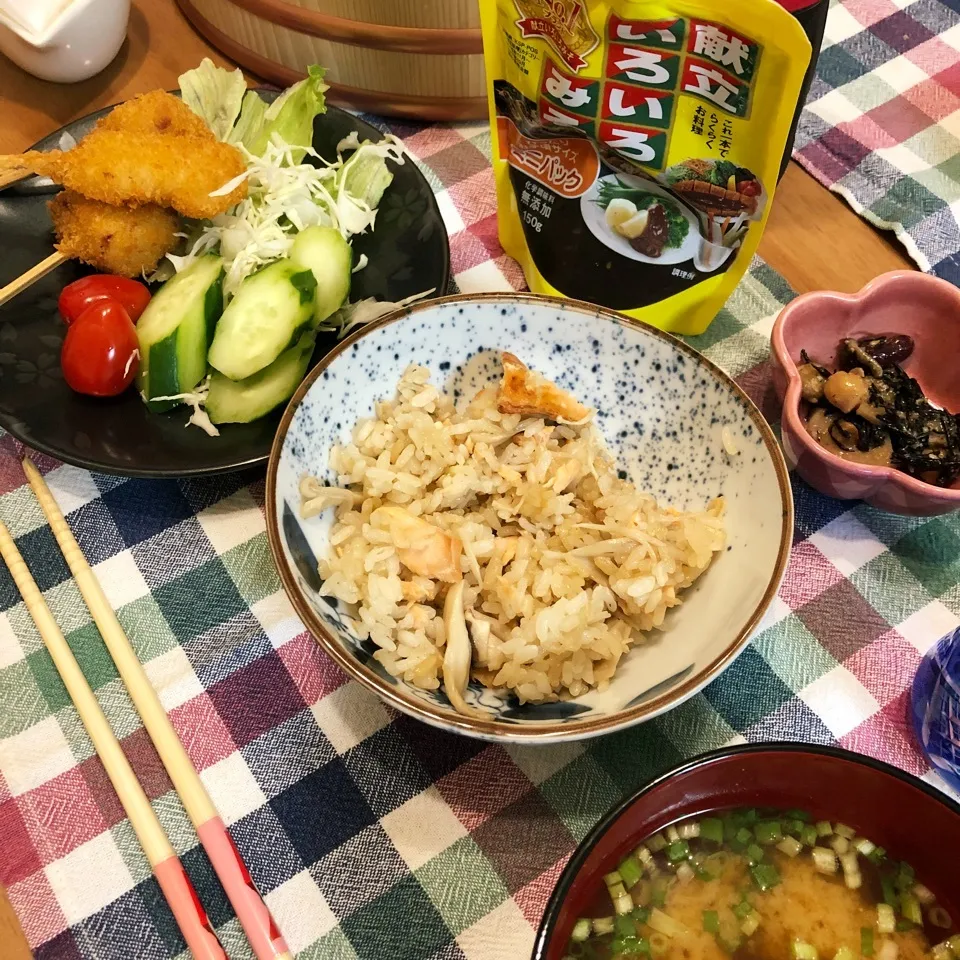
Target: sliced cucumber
(328,255)
(271,310)
(174,332)
(240,401)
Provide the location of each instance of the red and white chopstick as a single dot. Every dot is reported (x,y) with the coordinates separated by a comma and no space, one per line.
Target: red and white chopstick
(168,870)
(254,916)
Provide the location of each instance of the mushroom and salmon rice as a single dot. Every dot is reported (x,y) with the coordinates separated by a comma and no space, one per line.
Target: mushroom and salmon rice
(497,542)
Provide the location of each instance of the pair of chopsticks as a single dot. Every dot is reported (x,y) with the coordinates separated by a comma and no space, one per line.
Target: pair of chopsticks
(261,930)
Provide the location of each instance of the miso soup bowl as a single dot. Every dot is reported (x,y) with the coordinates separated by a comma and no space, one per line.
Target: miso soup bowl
(921,306)
(909,818)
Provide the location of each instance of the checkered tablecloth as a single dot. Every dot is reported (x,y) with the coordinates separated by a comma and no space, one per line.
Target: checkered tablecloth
(882,124)
(370,834)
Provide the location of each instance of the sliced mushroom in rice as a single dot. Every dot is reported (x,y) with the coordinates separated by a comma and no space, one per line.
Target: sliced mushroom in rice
(458,654)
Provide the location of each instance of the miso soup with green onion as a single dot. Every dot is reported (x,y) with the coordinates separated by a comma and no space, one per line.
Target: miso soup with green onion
(763,885)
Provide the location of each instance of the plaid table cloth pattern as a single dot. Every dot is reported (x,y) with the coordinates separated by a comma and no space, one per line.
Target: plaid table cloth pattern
(882,123)
(370,834)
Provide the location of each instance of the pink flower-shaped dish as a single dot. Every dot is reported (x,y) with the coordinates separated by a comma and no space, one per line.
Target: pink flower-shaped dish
(904,302)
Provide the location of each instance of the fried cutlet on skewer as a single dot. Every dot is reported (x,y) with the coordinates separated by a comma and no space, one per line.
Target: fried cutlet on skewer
(120,240)
(121,167)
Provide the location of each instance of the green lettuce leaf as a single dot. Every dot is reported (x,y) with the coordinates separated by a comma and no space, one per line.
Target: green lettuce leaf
(251,118)
(291,115)
(214,94)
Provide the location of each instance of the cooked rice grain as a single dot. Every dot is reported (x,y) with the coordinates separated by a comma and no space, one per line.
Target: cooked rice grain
(565,565)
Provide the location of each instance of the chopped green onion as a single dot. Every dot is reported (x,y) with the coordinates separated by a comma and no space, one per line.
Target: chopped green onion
(889,891)
(656,843)
(844,953)
(765,875)
(625,947)
(711,921)
(840,844)
(754,853)
(905,877)
(659,944)
(673,835)
(804,951)
(889,950)
(685,872)
(841,829)
(730,946)
(886,918)
(689,830)
(796,827)
(744,835)
(866,941)
(877,856)
(768,832)
(799,815)
(641,914)
(612,879)
(624,926)
(711,829)
(864,846)
(743,909)
(942,951)
(809,835)
(851,870)
(940,918)
(904,926)
(631,872)
(581,930)
(658,896)
(602,925)
(749,816)
(824,859)
(791,846)
(750,924)
(678,850)
(665,924)
(910,908)
(616,890)
(824,828)
(924,894)
(623,904)
(644,856)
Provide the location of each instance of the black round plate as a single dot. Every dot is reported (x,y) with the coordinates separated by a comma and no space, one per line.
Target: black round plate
(408,253)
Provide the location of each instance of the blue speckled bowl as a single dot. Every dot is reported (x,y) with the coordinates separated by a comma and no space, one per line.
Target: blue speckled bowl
(662,409)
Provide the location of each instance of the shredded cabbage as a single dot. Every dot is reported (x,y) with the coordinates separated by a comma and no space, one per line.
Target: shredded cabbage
(284,197)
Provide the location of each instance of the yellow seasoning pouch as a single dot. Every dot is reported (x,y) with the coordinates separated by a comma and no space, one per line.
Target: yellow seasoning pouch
(637,145)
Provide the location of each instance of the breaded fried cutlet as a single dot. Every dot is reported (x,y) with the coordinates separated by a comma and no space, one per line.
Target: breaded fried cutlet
(124,168)
(122,240)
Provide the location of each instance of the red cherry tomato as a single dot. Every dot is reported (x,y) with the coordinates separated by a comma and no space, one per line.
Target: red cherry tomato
(751,188)
(77,296)
(100,354)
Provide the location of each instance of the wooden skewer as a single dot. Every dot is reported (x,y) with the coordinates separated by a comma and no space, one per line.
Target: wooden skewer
(31,276)
(254,915)
(173,881)
(9,177)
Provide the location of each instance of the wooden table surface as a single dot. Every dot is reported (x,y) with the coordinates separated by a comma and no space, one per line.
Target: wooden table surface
(833,250)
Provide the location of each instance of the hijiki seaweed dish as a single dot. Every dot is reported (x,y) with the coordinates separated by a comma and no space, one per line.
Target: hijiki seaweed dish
(870,411)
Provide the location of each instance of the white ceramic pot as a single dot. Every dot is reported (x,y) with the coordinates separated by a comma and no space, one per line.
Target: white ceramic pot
(76,45)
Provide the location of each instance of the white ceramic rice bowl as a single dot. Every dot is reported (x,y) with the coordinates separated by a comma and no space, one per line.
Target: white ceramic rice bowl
(666,413)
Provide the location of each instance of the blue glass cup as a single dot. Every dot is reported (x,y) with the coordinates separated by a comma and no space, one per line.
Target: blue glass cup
(936,707)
